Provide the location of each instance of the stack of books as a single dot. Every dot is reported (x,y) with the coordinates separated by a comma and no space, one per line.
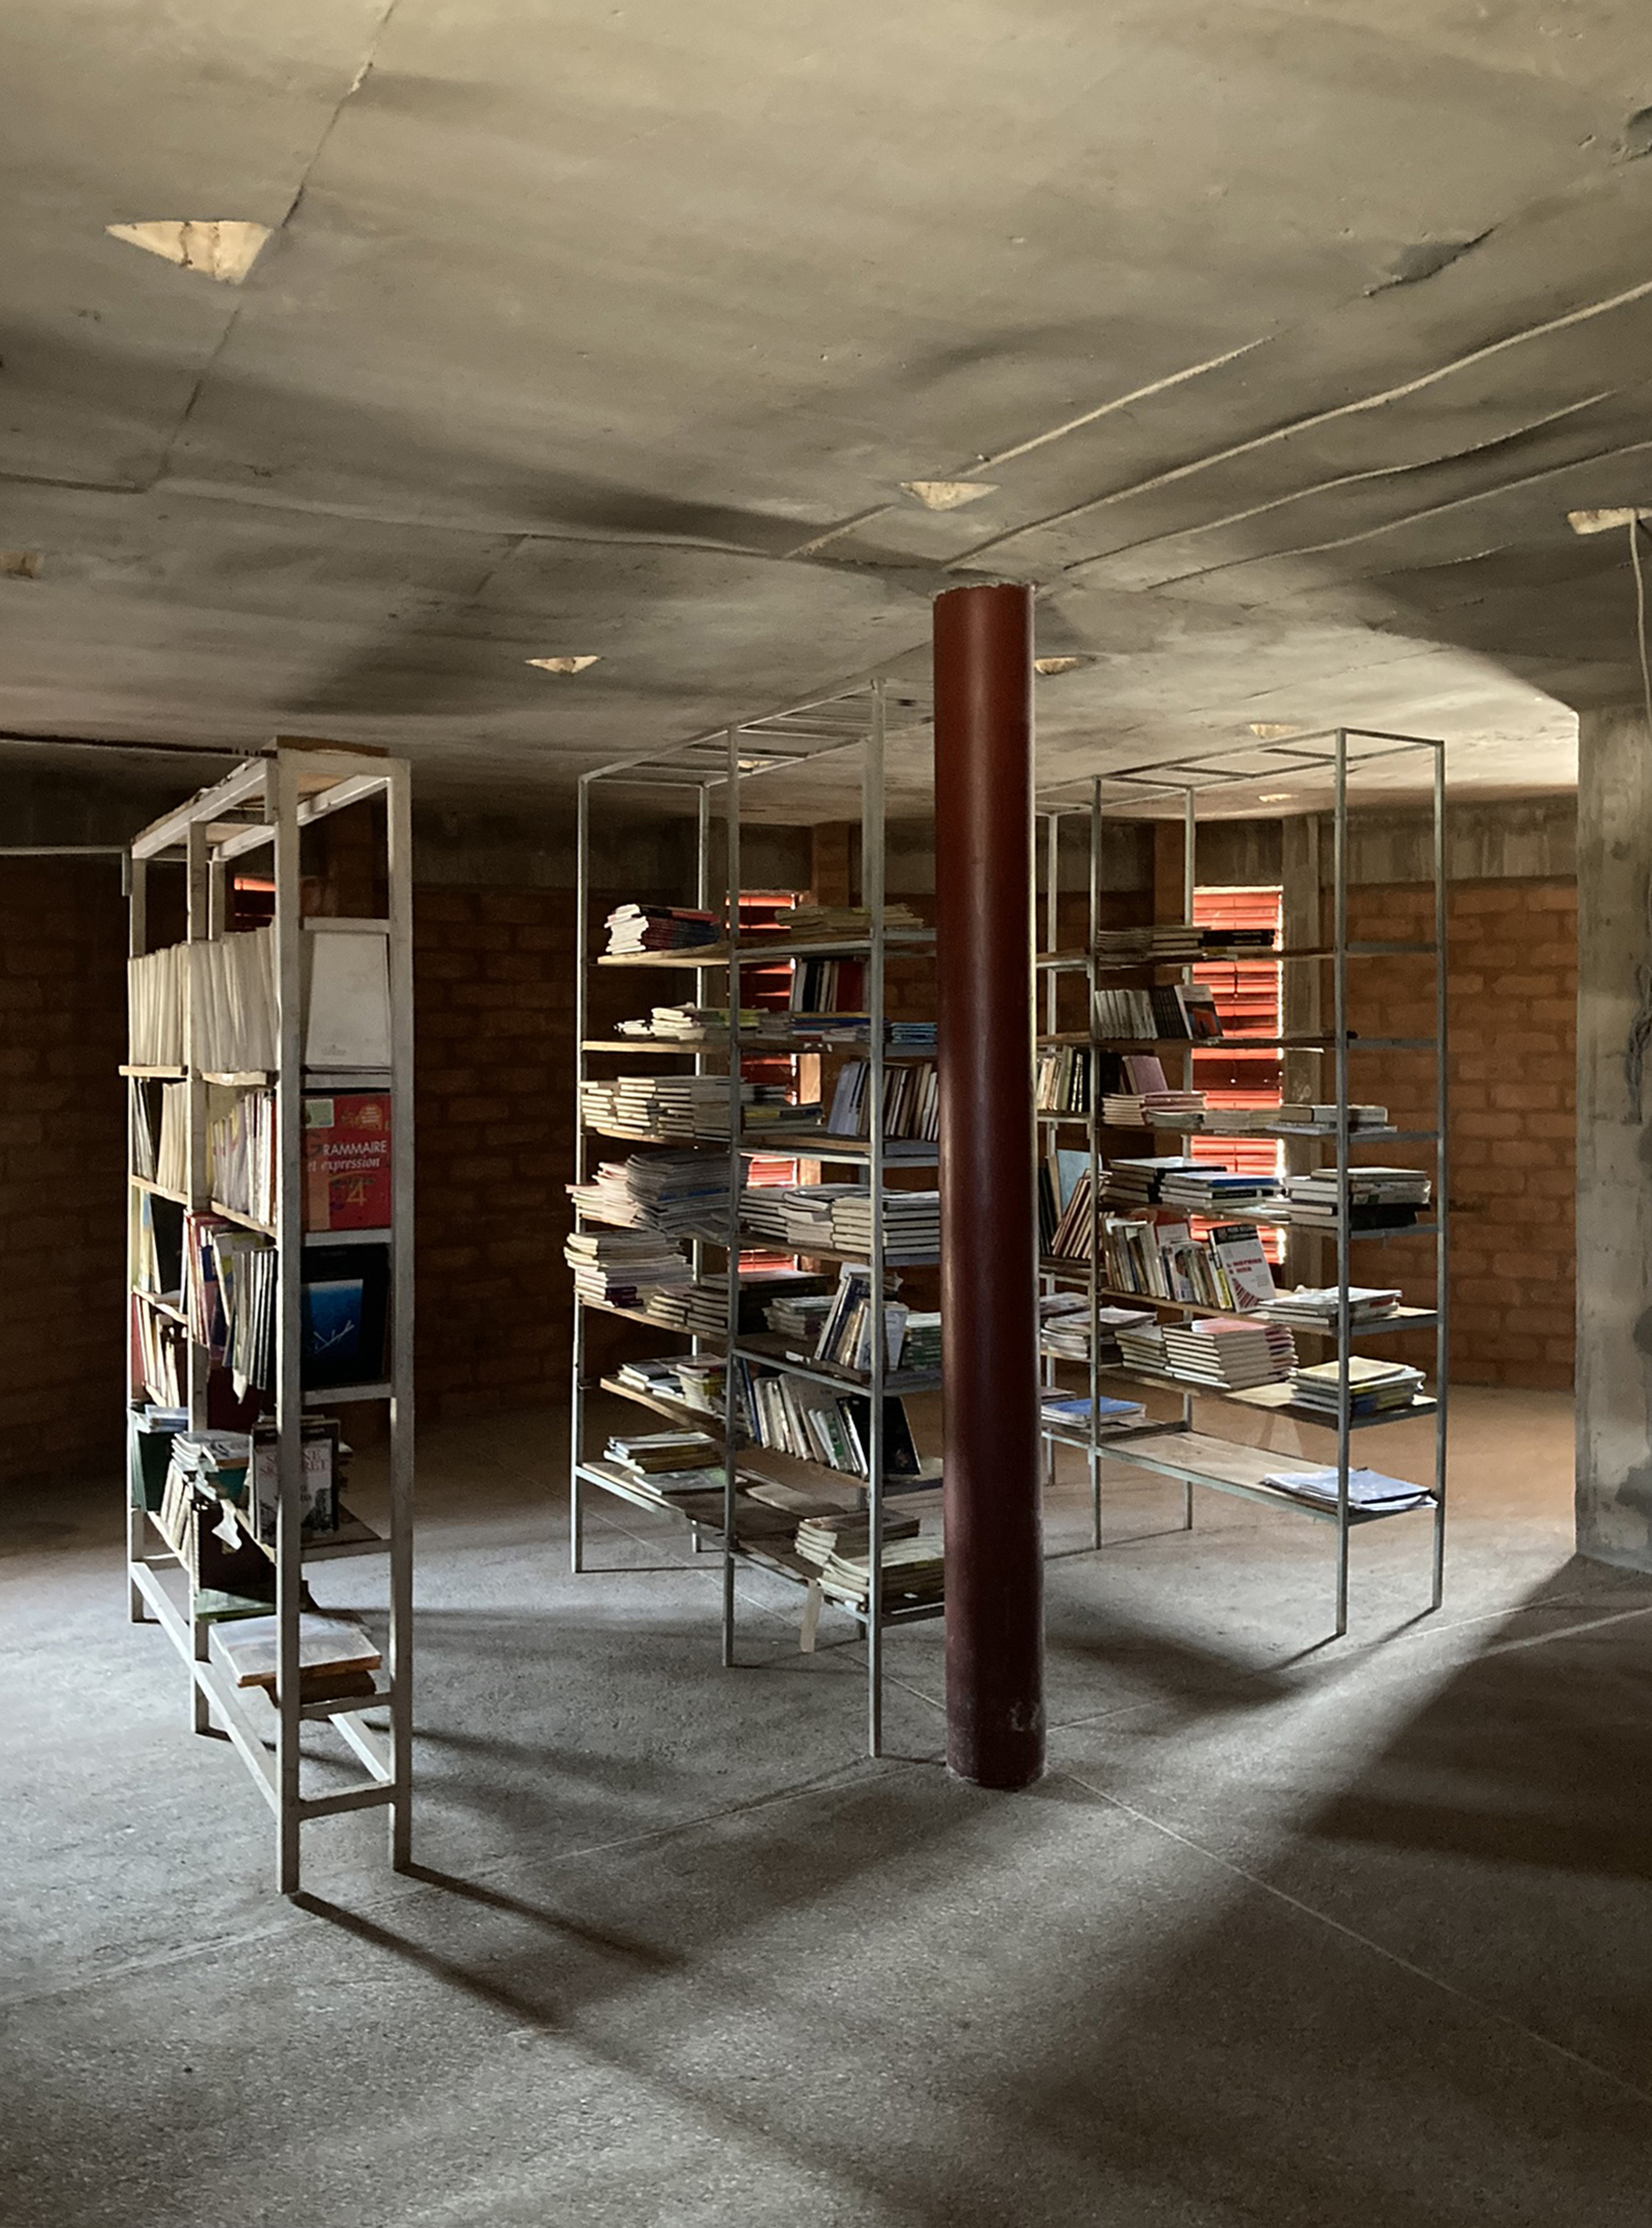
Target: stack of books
(1141,1182)
(819,923)
(1167,940)
(1379,1199)
(912,1036)
(665,1108)
(1314,1307)
(1154,1110)
(798,1316)
(912,1223)
(1227,1356)
(696,1024)
(1176,939)
(670,1191)
(1072,1414)
(1209,1190)
(1141,1345)
(620,1267)
(659,928)
(1323,1117)
(668,1462)
(662,1379)
(921,1347)
(913,1567)
(1064,1326)
(1181,1012)
(1367,1489)
(1375,1388)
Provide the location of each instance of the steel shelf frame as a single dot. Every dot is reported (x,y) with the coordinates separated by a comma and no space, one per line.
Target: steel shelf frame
(1341,753)
(269,801)
(727,760)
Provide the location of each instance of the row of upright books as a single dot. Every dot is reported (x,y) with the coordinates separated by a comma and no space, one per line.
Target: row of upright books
(1182,1013)
(1061,1083)
(346,1168)
(911,1102)
(226,986)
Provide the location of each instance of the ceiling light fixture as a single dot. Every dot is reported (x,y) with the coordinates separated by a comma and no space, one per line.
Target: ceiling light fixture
(1273,731)
(218,247)
(948,494)
(1048,665)
(1603,522)
(1275,797)
(19,564)
(562,664)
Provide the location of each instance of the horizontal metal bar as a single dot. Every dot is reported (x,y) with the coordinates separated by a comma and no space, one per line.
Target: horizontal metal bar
(161,834)
(369,1796)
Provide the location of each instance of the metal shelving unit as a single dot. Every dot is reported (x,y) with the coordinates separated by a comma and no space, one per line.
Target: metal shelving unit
(720,766)
(265,805)
(1174,1448)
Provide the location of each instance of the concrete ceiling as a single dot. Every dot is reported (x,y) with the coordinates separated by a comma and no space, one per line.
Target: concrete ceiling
(1286,335)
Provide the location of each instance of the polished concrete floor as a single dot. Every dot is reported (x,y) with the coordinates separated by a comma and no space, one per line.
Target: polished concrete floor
(1292,1933)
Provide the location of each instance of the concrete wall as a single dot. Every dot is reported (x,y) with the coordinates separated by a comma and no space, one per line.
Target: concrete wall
(1614,1140)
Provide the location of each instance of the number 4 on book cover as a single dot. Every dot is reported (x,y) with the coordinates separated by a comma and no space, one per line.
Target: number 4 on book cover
(346,1161)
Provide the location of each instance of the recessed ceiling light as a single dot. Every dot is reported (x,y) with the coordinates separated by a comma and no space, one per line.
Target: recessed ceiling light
(1047,665)
(563,664)
(19,564)
(218,247)
(948,494)
(1601,522)
(1275,797)
(1273,731)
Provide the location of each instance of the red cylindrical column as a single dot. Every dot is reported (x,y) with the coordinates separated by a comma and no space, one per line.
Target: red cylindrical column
(984,893)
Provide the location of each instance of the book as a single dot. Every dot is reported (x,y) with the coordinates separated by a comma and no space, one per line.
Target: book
(1237,1247)
(250,1648)
(346,977)
(344,1300)
(1367,1489)
(346,1161)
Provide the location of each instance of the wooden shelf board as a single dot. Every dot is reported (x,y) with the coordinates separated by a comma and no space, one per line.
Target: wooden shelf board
(821,1145)
(157,1191)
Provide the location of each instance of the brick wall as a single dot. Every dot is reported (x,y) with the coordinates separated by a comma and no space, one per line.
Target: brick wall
(493,1000)
(1512,1029)
(62,1151)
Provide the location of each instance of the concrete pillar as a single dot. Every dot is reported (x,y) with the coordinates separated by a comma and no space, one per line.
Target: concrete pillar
(983,972)
(1614,1138)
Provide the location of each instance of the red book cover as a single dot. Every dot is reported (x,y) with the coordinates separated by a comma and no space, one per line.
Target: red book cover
(346,1161)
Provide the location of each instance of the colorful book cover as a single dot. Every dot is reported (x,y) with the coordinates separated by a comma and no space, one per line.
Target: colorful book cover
(346,1161)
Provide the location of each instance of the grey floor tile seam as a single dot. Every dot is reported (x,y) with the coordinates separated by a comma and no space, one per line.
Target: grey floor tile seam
(1360,1651)
(402,1888)
(1478,2005)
